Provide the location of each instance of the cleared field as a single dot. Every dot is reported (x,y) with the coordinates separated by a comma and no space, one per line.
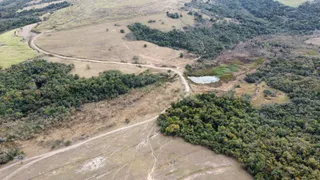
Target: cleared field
(105,42)
(257,93)
(13,50)
(85,12)
(293,3)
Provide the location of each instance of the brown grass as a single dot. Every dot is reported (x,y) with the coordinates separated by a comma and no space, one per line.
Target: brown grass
(105,42)
(86,12)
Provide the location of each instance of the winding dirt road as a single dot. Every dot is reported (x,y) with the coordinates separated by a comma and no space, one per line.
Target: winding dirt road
(32,160)
(35,47)
(136,151)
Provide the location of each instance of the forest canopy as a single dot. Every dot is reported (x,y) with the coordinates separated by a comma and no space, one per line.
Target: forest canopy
(273,142)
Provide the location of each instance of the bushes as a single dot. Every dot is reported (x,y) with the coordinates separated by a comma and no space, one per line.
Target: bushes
(8,154)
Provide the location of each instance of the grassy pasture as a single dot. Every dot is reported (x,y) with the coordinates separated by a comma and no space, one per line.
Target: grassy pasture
(13,50)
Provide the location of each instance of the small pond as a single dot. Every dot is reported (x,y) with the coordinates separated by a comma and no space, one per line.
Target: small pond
(204,79)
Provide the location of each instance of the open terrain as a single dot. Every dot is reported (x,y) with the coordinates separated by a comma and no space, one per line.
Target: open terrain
(87,12)
(105,42)
(13,50)
(136,153)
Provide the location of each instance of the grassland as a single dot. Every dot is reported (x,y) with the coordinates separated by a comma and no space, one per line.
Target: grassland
(293,3)
(85,12)
(13,50)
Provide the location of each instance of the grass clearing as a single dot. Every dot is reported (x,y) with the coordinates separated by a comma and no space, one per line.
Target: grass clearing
(293,3)
(13,50)
(258,95)
(217,71)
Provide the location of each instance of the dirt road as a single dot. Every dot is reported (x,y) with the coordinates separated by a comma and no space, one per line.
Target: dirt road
(183,79)
(136,151)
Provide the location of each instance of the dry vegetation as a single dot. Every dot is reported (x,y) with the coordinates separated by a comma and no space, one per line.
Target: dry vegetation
(89,69)
(106,42)
(85,12)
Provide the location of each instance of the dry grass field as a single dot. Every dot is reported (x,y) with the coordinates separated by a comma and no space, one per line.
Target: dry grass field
(85,12)
(105,42)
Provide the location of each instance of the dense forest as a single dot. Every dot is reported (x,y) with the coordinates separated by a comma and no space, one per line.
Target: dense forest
(250,18)
(274,142)
(11,18)
(46,91)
